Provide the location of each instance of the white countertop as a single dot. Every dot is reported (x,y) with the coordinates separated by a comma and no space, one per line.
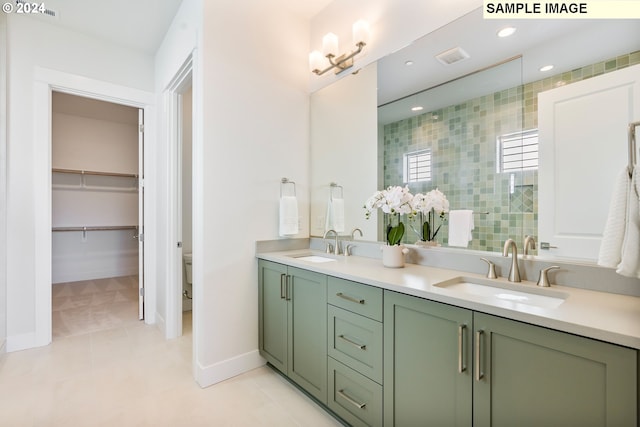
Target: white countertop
(599,315)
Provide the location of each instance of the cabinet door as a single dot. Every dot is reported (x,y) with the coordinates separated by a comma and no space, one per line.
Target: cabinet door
(272,312)
(532,376)
(427,371)
(308,331)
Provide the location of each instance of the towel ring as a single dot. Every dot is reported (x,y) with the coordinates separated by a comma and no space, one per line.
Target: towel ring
(334,186)
(284,182)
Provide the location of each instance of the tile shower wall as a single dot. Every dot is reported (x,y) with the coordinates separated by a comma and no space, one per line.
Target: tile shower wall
(462,140)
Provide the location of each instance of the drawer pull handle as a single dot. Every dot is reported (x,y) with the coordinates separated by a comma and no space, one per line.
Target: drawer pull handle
(282,292)
(361,347)
(478,351)
(350,400)
(461,334)
(348,298)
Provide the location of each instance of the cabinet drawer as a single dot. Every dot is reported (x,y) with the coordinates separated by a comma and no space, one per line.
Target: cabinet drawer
(355,341)
(354,397)
(362,299)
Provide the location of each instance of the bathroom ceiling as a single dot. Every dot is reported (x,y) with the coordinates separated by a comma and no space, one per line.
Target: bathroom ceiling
(138,24)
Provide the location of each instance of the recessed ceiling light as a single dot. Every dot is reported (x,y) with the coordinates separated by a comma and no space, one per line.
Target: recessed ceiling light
(546,68)
(408,63)
(506,32)
(417,108)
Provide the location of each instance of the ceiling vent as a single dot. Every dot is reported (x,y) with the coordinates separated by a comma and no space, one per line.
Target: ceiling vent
(41,9)
(451,56)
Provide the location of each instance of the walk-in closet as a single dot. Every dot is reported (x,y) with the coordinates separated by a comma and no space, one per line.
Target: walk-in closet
(95,213)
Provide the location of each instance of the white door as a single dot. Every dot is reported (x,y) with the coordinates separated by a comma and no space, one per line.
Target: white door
(583,147)
(141,214)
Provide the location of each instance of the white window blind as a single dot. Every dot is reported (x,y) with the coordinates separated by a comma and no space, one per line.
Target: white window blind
(417,166)
(518,151)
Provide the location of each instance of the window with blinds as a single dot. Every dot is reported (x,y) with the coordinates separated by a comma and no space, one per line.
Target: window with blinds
(518,151)
(417,166)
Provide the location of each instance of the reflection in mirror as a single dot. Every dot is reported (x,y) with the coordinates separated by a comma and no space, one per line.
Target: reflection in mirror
(578,49)
(475,138)
(470,150)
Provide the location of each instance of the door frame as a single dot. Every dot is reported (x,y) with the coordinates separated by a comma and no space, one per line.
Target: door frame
(45,82)
(173,103)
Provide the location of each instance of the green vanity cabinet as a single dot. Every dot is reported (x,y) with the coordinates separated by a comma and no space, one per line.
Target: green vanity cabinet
(449,366)
(427,363)
(355,349)
(532,376)
(293,324)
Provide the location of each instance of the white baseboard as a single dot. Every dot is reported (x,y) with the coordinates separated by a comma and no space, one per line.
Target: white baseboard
(23,342)
(213,374)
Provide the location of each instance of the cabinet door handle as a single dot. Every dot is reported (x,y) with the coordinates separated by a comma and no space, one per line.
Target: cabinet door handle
(461,335)
(287,288)
(282,285)
(350,400)
(348,298)
(478,351)
(355,344)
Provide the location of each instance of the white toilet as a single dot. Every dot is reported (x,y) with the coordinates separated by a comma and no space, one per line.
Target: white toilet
(187,288)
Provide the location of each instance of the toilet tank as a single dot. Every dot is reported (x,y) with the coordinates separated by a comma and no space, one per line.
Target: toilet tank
(187,267)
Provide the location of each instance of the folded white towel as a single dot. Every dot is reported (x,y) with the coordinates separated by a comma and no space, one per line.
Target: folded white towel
(630,259)
(335,215)
(611,245)
(288,215)
(460,227)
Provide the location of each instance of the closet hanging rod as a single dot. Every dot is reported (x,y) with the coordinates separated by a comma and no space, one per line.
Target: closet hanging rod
(83,172)
(96,228)
(632,147)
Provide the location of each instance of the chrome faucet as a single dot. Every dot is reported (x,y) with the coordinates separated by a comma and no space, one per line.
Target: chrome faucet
(336,246)
(529,243)
(348,247)
(514,273)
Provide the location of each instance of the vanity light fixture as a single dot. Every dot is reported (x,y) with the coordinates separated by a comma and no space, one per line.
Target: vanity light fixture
(546,68)
(506,31)
(317,61)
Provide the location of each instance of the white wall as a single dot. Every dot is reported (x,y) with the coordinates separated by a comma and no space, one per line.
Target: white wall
(256,131)
(3,182)
(34,44)
(343,131)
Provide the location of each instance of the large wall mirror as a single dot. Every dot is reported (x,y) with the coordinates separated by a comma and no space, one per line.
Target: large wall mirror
(474,124)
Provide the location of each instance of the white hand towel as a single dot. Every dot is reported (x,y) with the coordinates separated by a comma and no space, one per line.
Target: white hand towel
(630,259)
(614,230)
(335,215)
(460,227)
(288,215)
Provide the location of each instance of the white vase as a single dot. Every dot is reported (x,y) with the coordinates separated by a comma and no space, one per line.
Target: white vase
(393,256)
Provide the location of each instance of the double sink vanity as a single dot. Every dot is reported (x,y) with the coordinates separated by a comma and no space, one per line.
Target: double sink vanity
(422,345)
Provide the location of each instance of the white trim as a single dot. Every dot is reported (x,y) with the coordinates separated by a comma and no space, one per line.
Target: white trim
(172,99)
(45,81)
(212,374)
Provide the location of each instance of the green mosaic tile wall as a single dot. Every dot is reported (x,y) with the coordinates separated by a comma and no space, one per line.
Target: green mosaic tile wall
(462,139)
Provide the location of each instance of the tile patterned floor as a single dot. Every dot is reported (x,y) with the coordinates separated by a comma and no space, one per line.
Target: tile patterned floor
(105,368)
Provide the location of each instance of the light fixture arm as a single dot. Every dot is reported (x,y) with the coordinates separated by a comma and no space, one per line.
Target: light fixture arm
(342,62)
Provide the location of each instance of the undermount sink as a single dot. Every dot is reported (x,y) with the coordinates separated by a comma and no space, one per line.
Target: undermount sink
(314,258)
(544,298)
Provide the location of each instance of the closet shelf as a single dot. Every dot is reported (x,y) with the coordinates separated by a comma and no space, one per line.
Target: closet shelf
(83,172)
(96,228)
